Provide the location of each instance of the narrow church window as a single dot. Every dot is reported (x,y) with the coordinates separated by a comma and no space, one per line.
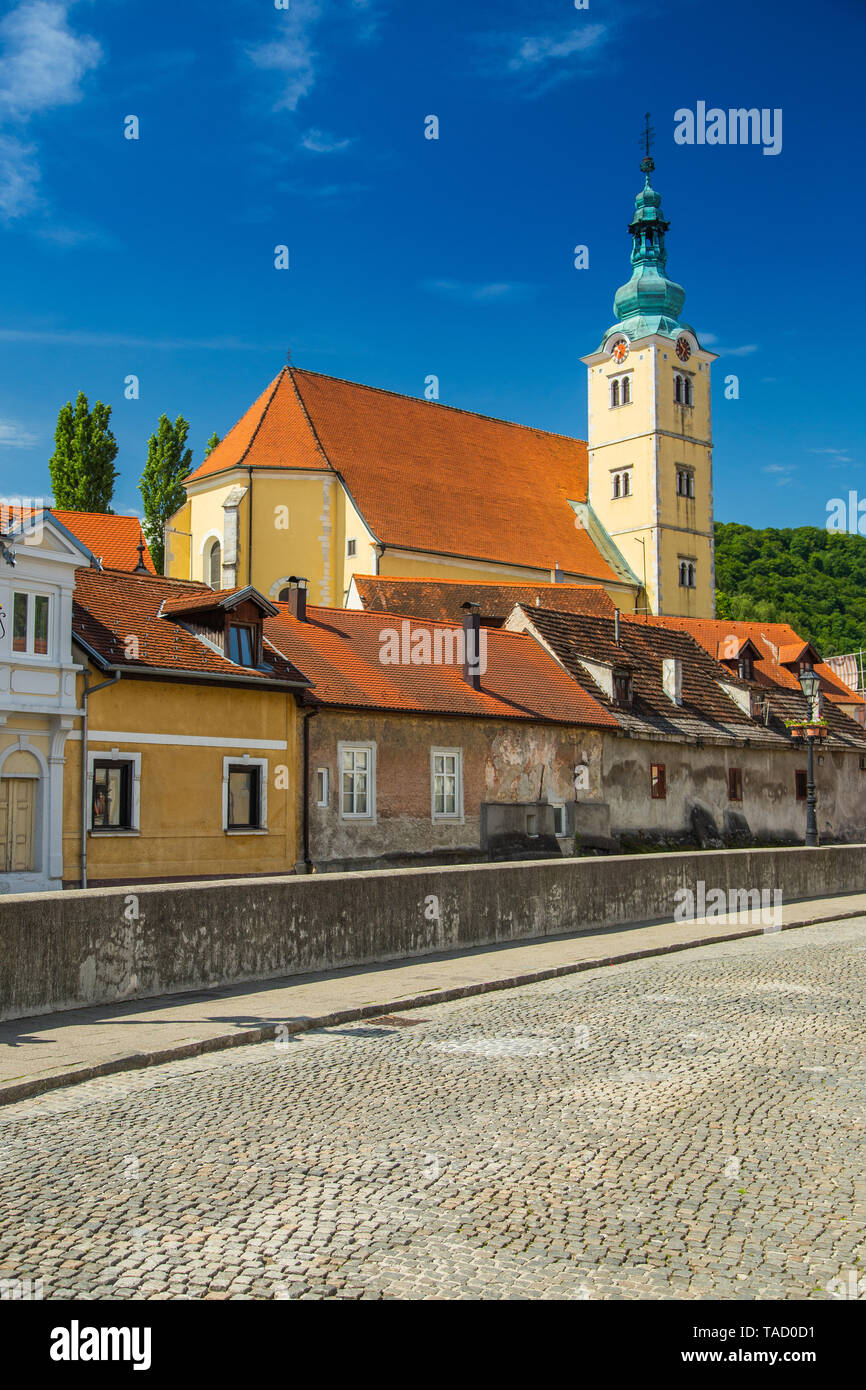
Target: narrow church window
(626,390)
(678,389)
(616,485)
(688,571)
(614,391)
(626,484)
(213,572)
(351,548)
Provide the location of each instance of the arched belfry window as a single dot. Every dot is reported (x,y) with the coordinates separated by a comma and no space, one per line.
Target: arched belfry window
(213,566)
(614,391)
(626,390)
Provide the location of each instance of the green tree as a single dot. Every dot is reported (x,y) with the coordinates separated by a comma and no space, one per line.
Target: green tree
(211,444)
(807,576)
(161,485)
(82,465)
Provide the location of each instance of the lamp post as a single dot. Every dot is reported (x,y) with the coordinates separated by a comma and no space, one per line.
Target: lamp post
(809,684)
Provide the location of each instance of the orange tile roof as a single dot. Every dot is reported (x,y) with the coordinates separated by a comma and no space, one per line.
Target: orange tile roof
(424,476)
(443,598)
(339,650)
(775,643)
(111,607)
(112,539)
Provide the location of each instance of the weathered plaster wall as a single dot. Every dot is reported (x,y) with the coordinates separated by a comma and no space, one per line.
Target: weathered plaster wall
(501,762)
(67,950)
(701,774)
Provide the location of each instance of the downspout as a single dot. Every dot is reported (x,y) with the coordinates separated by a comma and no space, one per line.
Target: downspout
(88,690)
(311,714)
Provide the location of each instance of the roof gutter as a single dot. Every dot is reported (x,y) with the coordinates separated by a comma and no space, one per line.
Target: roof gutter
(171,673)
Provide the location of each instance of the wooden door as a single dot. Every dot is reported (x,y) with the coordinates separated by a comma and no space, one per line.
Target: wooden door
(17,824)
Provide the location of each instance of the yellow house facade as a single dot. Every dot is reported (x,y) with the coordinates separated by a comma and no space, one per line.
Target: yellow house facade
(187,763)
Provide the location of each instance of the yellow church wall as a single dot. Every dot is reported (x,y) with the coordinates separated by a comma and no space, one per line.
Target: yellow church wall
(364,559)
(205,518)
(296,525)
(181,831)
(177,548)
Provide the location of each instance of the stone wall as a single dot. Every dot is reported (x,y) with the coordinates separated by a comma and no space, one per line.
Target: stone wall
(66,950)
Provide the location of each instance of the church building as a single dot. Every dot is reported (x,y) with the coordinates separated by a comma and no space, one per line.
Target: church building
(328,479)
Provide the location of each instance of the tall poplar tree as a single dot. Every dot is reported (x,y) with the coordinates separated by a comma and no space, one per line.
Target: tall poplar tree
(161,486)
(82,465)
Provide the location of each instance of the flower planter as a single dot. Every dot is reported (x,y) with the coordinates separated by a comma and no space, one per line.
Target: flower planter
(816,730)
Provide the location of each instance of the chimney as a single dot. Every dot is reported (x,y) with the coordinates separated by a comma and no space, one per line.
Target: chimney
(616,626)
(472,644)
(298,598)
(672,679)
(557,576)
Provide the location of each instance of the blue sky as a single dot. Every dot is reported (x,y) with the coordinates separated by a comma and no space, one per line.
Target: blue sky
(408,257)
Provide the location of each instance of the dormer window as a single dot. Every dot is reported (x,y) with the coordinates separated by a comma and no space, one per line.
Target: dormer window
(746,667)
(622,689)
(242,644)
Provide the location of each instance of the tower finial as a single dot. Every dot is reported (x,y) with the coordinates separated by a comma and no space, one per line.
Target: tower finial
(141,567)
(647,164)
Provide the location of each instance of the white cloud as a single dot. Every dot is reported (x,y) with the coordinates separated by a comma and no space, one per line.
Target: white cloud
(320,142)
(19,177)
(745,351)
(469,293)
(42,66)
(81,338)
(12,436)
(292,55)
(542,49)
(44,62)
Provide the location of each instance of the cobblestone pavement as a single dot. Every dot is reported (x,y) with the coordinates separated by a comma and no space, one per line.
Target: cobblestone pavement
(687,1126)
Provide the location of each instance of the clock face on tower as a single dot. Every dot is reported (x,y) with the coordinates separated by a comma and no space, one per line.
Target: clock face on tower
(684,349)
(619,351)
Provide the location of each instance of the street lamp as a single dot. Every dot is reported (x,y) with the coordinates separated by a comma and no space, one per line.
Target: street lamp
(809,684)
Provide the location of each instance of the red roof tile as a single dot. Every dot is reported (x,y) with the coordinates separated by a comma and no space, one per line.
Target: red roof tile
(120,617)
(775,643)
(424,476)
(112,539)
(443,598)
(339,650)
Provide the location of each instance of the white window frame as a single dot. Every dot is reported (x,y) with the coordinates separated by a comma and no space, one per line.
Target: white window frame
(358,746)
(559,808)
(325,798)
(688,389)
(684,471)
(620,379)
(691,572)
(113,755)
(30,634)
(455,816)
(246,761)
(623,476)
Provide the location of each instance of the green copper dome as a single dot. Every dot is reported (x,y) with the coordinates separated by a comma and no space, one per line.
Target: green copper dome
(649,302)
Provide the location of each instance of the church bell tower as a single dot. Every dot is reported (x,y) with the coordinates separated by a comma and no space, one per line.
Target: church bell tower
(650,427)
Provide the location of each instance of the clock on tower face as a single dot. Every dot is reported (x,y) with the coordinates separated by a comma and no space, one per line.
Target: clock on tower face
(684,349)
(619,351)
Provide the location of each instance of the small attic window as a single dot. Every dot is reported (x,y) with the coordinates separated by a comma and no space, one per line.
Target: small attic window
(622,689)
(746,667)
(242,644)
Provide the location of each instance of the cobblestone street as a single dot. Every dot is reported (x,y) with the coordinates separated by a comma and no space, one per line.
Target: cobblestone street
(684,1126)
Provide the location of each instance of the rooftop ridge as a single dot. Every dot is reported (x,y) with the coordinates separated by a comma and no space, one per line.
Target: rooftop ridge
(419,400)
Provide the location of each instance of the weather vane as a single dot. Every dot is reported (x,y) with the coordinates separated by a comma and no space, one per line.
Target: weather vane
(647,164)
